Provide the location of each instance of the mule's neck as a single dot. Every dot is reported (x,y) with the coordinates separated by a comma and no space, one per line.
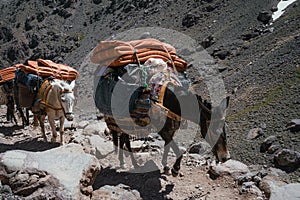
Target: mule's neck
(53,97)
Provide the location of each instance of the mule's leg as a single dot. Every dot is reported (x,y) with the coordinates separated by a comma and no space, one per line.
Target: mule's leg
(24,120)
(115,140)
(179,155)
(42,120)
(164,161)
(128,146)
(61,130)
(14,118)
(167,134)
(8,114)
(27,117)
(53,129)
(121,150)
(35,120)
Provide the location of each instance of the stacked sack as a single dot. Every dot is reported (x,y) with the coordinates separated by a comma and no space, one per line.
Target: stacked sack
(47,68)
(116,53)
(7,74)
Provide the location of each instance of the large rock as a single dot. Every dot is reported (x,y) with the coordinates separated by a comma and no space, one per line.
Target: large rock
(230,167)
(70,171)
(201,148)
(264,17)
(294,125)
(102,147)
(96,128)
(116,192)
(289,191)
(287,159)
(268,183)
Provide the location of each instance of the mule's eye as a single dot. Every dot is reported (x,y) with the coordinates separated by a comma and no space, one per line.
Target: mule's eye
(63,99)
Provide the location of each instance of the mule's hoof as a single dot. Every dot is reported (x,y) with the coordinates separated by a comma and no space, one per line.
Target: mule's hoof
(174,172)
(167,170)
(126,153)
(136,166)
(123,166)
(53,140)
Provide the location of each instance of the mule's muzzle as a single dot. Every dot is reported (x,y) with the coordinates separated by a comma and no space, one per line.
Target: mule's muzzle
(69,116)
(223,156)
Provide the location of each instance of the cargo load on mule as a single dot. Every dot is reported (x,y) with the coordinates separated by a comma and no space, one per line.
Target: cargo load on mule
(142,87)
(138,71)
(30,76)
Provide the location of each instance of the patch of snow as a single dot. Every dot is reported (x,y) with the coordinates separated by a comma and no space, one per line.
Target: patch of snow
(282,5)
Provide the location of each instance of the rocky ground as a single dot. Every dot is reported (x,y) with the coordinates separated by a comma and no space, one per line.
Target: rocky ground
(200,177)
(257,60)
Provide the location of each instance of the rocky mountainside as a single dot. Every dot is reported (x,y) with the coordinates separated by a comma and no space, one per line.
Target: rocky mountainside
(257,58)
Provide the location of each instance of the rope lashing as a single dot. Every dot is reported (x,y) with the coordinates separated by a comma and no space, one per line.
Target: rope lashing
(143,70)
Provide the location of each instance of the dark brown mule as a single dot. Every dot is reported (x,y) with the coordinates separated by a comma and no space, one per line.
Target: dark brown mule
(7,98)
(183,104)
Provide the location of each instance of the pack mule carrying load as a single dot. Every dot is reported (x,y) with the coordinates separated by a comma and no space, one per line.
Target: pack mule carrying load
(117,60)
(30,77)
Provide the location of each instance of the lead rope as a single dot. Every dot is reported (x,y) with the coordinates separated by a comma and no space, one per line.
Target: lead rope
(171,60)
(144,74)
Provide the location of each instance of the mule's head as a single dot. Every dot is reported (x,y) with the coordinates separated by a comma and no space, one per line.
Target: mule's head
(213,128)
(67,98)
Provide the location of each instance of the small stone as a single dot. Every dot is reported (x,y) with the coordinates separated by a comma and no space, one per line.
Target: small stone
(254,133)
(273,148)
(267,143)
(257,179)
(264,17)
(248,184)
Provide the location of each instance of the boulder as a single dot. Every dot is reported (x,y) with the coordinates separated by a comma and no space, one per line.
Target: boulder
(288,191)
(95,128)
(190,19)
(102,146)
(264,17)
(294,125)
(233,168)
(120,191)
(287,159)
(268,183)
(267,143)
(67,171)
(83,124)
(201,148)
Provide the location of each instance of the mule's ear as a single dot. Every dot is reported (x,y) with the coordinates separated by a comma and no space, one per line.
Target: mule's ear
(225,102)
(72,84)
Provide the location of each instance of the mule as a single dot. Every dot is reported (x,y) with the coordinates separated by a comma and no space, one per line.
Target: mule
(178,102)
(55,100)
(7,98)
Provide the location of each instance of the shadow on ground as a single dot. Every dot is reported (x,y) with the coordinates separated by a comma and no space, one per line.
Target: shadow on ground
(147,182)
